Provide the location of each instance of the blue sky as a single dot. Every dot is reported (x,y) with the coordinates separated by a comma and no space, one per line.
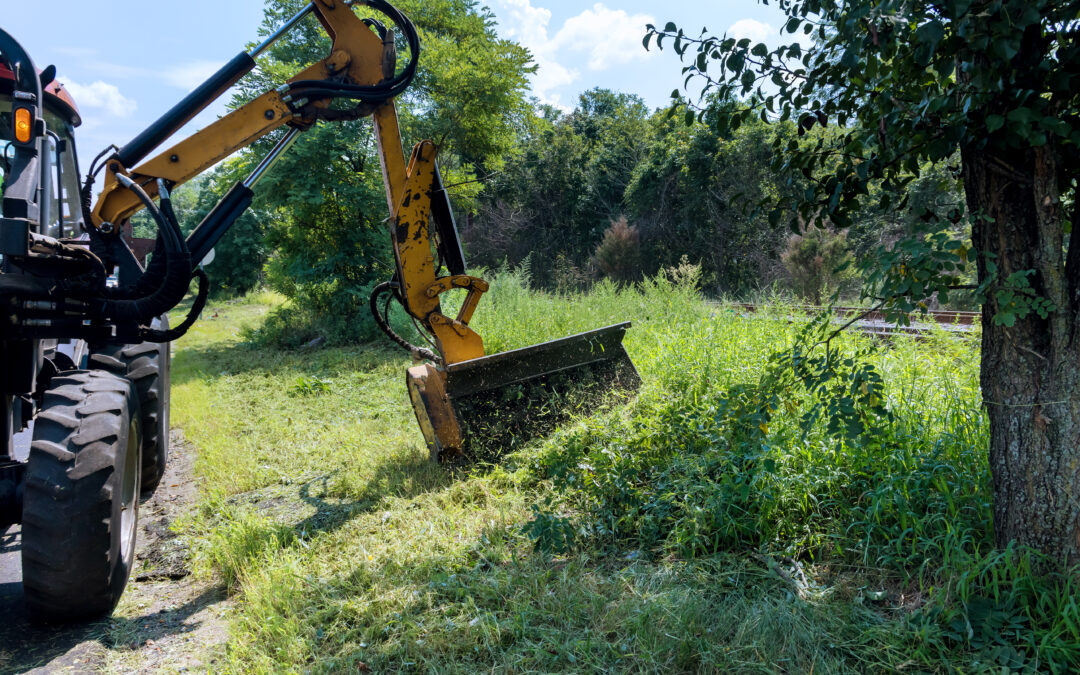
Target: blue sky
(126,63)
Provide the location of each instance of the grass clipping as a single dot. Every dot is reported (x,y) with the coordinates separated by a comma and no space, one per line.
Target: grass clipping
(497,422)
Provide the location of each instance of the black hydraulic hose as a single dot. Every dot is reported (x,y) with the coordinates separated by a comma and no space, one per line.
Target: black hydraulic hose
(152,335)
(384,325)
(155,271)
(159,262)
(173,286)
(377,93)
(165,205)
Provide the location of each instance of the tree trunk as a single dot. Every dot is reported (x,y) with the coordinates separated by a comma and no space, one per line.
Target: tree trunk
(1029,372)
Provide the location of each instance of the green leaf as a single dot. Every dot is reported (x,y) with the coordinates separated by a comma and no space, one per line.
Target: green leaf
(760,50)
(930,34)
(1021,115)
(1007,319)
(994,122)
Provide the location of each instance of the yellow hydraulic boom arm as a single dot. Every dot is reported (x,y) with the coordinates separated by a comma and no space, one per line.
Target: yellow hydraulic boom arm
(361,67)
(359,57)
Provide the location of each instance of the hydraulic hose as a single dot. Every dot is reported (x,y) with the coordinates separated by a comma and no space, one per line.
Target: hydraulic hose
(384,325)
(177,274)
(152,335)
(156,269)
(371,94)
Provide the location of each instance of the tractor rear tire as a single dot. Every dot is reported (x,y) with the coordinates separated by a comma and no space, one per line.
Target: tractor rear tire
(81,497)
(147,366)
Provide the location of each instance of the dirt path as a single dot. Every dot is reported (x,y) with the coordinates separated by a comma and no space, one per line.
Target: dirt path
(166,621)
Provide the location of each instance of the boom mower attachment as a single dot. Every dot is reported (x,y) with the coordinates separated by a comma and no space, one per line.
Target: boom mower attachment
(465,401)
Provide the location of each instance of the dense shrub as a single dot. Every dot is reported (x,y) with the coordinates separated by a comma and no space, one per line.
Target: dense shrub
(816,262)
(618,256)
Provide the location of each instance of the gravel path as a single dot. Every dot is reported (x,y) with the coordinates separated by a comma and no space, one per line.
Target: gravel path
(166,622)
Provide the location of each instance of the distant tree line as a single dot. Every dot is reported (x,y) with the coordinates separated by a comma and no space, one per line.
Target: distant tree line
(612,190)
(609,189)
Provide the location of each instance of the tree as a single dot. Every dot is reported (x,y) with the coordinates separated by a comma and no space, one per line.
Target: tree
(683,196)
(618,257)
(912,83)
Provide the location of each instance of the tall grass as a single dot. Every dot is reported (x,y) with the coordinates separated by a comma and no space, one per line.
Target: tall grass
(693,469)
(677,533)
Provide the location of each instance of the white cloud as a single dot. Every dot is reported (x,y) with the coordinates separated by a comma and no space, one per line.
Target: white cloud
(608,37)
(190,75)
(749,28)
(100,95)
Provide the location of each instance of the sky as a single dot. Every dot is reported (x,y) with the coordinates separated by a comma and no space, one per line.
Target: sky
(127,63)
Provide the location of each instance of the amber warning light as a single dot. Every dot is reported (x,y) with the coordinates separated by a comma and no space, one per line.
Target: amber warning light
(23,125)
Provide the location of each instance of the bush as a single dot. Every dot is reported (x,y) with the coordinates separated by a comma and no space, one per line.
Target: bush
(618,256)
(815,262)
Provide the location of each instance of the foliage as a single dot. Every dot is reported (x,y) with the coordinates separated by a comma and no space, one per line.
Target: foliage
(679,188)
(817,262)
(688,191)
(310,386)
(618,255)
(561,189)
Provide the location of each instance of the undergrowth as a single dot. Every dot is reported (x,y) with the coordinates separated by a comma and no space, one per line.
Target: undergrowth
(729,518)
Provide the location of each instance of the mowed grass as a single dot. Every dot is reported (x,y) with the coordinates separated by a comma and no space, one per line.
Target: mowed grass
(346,548)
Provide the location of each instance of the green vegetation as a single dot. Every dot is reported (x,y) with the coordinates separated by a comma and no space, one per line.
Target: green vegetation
(675,533)
(889,92)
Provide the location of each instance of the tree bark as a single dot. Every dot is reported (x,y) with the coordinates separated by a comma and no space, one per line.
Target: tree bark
(1029,372)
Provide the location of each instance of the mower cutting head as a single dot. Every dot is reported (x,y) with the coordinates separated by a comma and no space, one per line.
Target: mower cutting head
(467,402)
(484,407)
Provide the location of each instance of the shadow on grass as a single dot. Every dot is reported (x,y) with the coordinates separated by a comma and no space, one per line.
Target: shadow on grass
(403,475)
(402,479)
